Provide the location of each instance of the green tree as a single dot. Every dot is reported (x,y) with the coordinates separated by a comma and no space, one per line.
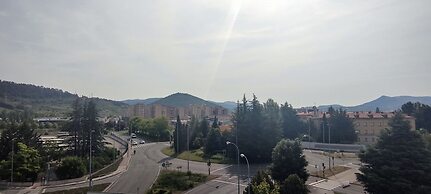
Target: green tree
(421,112)
(341,127)
(291,125)
(26,163)
(287,158)
(258,179)
(408,108)
(71,167)
(213,142)
(399,162)
(265,188)
(19,133)
(254,131)
(294,185)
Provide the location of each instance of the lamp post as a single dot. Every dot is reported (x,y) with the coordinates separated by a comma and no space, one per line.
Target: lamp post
(11,174)
(237,158)
(90,176)
(248,173)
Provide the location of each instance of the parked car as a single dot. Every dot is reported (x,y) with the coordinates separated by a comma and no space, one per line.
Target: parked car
(142,142)
(134,143)
(133,135)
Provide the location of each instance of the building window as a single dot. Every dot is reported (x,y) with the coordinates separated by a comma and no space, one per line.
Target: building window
(372,139)
(366,139)
(365,123)
(358,124)
(372,124)
(366,132)
(380,124)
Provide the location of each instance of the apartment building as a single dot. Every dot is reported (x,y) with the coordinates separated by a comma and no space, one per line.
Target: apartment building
(368,125)
(170,112)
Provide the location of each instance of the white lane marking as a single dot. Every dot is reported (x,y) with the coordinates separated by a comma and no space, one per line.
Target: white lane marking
(158,173)
(226,182)
(220,169)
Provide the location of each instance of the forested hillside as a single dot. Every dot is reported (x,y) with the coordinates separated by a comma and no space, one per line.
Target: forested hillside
(44,101)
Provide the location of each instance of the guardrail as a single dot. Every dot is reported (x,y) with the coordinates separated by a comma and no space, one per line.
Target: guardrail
(15,184)
(114,137)
(333,147)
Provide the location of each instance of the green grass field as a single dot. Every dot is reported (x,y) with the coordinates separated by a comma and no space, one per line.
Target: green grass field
(82,190)
(176,182)
(195,155)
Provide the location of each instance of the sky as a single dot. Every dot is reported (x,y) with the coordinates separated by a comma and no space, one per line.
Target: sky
(305,52)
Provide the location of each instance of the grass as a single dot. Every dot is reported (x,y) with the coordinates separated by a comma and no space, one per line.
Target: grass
(176,182)
(195,155)
(82,190)
(330,172)
(111,168)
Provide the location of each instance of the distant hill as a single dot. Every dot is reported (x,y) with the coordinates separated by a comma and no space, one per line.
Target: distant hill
(385,103)
(48,101)
(139,101)
(182,100)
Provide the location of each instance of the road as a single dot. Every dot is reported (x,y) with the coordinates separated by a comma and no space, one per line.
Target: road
(145,166)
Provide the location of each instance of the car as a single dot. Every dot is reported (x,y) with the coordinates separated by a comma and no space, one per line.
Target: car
(134,143)
(133,135)
(142,142)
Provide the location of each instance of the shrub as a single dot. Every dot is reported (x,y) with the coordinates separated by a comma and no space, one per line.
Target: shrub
(71,167)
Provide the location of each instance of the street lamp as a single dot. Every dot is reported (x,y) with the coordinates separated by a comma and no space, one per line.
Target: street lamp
(91,178)
(237,158)
(11,174)
(248,173)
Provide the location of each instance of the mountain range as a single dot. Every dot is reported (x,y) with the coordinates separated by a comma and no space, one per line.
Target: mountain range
(55,102)
(384,103)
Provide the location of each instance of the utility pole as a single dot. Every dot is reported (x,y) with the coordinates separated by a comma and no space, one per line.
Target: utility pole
(188,149)
(90,177)
(11,174)
(329,131)
(178,137)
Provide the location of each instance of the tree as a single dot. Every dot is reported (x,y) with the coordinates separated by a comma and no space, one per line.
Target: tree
(75,126)
(291,125)
(254,132)
(213,142)
(215,123)
(287,158)
(341,127)
(262,183)
(71,167)
(180,136)
(294,185)
(26,163)
(377,110)
(421,112)
(19,133)
(264,188)
(408,108)
(399,162)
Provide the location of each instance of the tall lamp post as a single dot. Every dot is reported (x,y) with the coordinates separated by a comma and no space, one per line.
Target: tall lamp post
(237,158)
(11,174)
(91,177)
(248,173)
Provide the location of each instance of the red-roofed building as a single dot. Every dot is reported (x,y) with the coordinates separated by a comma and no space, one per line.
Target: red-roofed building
(368,125)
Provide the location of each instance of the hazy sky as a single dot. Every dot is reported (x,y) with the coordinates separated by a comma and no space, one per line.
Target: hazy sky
(305,52)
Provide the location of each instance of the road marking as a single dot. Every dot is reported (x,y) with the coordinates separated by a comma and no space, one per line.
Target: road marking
(220,169)
(220,181)
(158,173)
